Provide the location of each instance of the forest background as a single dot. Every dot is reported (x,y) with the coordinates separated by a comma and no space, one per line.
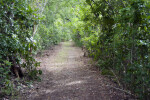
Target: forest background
(115,33)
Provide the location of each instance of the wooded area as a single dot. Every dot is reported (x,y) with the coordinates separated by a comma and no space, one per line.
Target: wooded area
(115,33)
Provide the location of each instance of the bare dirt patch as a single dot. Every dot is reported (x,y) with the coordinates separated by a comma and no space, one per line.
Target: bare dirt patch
(67,75)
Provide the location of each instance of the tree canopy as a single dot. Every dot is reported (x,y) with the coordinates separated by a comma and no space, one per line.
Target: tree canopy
(115,33)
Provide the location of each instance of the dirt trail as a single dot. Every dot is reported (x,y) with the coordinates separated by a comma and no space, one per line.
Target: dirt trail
(67,75)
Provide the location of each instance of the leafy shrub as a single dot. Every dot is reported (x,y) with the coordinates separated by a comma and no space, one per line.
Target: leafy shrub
(116,33)
(17,19)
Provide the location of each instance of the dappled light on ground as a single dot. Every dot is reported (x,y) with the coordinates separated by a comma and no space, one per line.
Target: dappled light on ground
(67,75)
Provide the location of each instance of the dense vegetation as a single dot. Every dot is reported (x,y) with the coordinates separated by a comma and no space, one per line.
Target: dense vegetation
(17,20)
(115,33)
(26,27)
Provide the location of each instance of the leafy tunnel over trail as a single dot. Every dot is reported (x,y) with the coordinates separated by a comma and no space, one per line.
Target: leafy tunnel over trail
(115,33)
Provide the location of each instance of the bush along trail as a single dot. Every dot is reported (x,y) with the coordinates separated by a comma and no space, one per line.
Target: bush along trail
(114,34)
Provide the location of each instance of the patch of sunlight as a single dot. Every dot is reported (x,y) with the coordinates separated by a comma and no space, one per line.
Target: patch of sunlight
(67,43)
(61,57)
(75,82)
(49,91)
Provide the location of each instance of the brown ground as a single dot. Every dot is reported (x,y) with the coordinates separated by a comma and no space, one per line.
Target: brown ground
(67,75)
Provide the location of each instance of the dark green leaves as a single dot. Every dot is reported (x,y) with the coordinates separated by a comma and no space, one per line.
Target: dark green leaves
(88,2)
(17,19)
(122,28)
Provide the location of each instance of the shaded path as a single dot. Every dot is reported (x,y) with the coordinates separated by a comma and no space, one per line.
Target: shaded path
(67,75)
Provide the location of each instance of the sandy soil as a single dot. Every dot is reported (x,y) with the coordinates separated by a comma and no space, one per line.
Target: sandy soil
(67,75)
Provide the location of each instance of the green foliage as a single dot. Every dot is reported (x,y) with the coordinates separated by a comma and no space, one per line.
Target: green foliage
(116,33)
(51,29)
(106,72)
(17,19)
(5,83)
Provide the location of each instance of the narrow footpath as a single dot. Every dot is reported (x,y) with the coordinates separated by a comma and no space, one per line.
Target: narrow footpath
(67,75)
